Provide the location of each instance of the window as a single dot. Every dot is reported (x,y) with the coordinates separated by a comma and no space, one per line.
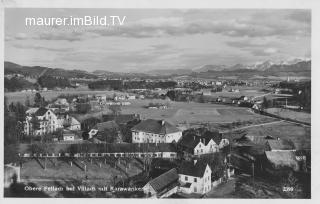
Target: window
(195,179)
(201,150)
(195,189)
(186,178)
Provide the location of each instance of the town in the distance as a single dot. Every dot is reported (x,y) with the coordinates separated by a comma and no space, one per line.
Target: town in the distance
(212,132)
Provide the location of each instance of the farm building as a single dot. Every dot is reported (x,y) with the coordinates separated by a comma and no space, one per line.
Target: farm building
(280,160)
(104,130)
(163,186)
(155,131)
(280,145)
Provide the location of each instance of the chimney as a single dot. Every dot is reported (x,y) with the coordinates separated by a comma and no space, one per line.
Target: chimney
(204,140)
(194,162)
(194,137)
(162,122)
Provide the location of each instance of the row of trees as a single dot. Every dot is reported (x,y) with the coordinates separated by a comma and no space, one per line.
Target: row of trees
(53,82)
(123,85)
(17,84)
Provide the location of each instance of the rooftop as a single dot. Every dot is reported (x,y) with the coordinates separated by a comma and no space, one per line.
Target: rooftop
(191,169)
(280,144)
(41,111)
(282,159)
(165,180)
(156,126)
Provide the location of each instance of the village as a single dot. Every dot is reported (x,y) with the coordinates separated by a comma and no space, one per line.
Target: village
(131,140)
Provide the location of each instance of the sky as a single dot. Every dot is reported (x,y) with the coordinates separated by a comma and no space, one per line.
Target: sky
(153,39)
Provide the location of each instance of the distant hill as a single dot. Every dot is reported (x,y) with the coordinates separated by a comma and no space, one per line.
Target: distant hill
(37,71)
(165,72)
(210,67)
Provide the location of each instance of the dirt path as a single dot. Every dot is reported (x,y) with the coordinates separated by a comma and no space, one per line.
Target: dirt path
(250,126)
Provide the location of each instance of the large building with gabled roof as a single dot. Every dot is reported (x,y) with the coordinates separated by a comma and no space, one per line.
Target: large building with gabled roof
(155,131)
(195,177)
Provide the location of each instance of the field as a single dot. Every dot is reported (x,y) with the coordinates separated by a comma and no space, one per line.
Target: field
(186,113)
(295,115)
(48,95)
(300,135)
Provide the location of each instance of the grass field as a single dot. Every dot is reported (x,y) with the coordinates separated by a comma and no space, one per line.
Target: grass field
(48,95)
(182,112)
(300,135)
(295,115)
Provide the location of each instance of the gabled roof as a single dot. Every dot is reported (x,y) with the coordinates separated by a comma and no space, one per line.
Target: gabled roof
(31,110)
(106,126)
(282,159)
(156,127)
(280,145)
(165,180)
(41,111)
(191,169)
(189,141)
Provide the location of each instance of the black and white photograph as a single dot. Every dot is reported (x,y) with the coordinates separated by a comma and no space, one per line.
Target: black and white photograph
(154,103)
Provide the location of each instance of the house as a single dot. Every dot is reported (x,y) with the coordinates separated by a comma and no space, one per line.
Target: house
(101,97)
(61,101)
(119,98)
(280,145)
(131,97)
(195,145)
(48,121)
(279,160)
(58,108)
(69,135)
(69,122)
(155,131)
(163,186)
(104,130)
(194,177)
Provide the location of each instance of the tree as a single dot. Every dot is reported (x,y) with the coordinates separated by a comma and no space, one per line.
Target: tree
(172,95)
(115,109)
(265,103)
(27,102)
(83,108)
(38,100)
(291,186)
(35,125)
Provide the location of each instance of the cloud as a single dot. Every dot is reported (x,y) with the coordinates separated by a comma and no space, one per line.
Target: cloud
(21,36)
(178,27)
(38,47)
(303,16)
(47,35)
(264,52)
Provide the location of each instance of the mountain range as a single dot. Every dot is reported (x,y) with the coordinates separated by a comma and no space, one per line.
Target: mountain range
(294,67)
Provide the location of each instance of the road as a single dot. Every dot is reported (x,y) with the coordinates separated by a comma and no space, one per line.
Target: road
(250,126)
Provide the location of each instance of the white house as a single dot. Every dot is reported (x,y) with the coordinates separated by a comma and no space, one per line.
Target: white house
(197,145)
(155,131)
(195,177)
(48,121)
